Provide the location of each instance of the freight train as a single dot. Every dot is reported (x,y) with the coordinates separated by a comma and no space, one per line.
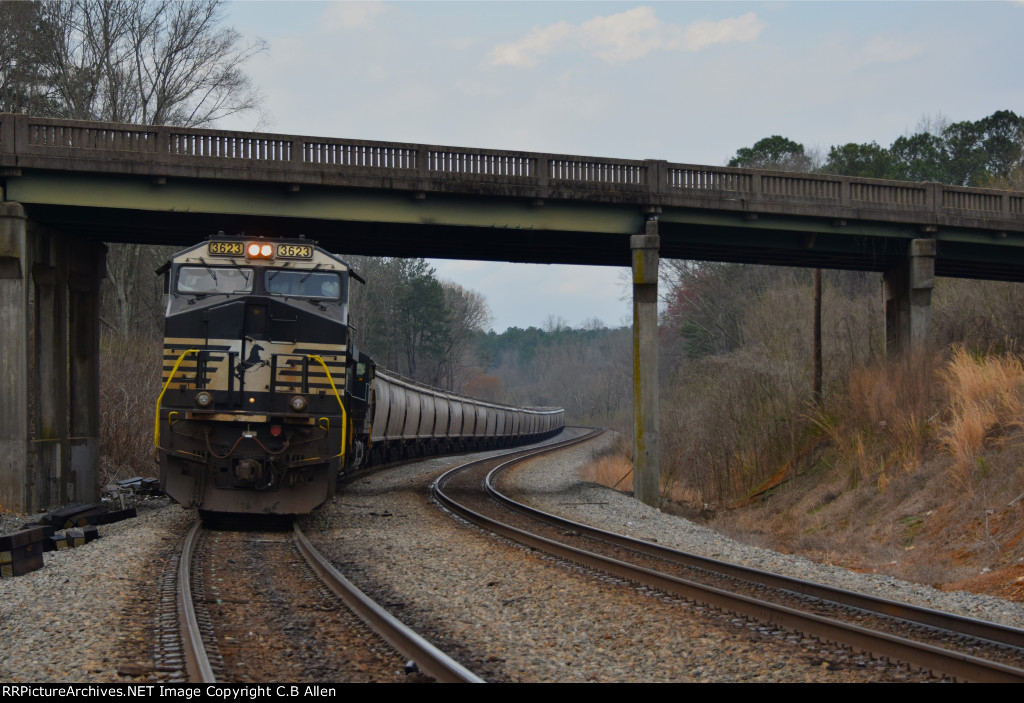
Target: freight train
(266,400)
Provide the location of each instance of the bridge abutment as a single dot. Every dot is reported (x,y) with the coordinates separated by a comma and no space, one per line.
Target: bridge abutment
(646,467)
(907,297)
(49,364)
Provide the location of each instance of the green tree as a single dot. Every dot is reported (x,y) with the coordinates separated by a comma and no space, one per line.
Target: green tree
(775,152)
(992,147)
(411,322)
(922,157)
(22,78)
(860,160)
(422,322)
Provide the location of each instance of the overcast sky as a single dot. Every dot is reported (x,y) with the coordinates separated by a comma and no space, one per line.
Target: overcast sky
(688,82)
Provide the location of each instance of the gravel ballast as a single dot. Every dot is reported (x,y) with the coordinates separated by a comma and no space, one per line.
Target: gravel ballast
(552,484)
(503,611)
(64,623)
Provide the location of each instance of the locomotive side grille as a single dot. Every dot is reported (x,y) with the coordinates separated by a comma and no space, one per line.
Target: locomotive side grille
(196,370)
(297,370)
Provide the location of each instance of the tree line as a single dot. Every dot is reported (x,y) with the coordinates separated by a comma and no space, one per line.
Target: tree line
(737,356)
(986,153)
(413,323)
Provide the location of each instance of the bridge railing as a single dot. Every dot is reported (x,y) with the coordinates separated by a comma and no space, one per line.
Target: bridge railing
(845,191)
(42,143)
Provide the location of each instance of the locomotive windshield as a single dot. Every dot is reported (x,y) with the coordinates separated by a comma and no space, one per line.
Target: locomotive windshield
(304,284)
(214,279)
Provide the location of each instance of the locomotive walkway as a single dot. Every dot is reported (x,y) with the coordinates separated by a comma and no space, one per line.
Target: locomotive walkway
(69,186)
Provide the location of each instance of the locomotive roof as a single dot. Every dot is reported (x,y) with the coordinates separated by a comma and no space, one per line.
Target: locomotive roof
(317,255)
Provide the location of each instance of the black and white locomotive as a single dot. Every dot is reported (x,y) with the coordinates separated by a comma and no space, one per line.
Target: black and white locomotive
(265,399)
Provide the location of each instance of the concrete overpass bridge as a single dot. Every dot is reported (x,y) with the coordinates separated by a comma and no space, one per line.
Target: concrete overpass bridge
(69,186)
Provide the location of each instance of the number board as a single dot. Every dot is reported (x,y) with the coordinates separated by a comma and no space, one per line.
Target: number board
(226,249)
(294,251)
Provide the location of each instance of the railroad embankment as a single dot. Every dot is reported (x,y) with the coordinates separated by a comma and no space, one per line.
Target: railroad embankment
(917,473)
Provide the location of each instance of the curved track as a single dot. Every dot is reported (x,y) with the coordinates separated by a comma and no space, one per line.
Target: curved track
(470,491)
(196,629)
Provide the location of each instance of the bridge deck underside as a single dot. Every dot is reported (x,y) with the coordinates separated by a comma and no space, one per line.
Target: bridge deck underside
(772,243)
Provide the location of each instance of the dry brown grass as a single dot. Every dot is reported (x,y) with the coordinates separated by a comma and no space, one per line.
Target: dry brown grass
(986,401)
(612,471)
(919,480)
(913,468)
(881,425)
(612,467)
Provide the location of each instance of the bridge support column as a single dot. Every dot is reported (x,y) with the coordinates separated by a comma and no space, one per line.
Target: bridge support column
(49,365)
(646,468)
(15,278)
(86,271)
(49,447)
(907,296)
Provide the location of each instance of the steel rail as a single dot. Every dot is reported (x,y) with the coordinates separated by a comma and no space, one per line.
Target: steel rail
(428,658)
(918,615)
(197,663)
(955,664)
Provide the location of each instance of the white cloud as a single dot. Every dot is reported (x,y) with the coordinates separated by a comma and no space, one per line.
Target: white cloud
(702,34)
(528,50)
(349,15)
(625,36)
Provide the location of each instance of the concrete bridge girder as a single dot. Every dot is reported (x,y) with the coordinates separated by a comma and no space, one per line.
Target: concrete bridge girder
(49,364)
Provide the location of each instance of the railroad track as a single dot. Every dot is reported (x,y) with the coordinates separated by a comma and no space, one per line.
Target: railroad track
(204,655)
(945,644)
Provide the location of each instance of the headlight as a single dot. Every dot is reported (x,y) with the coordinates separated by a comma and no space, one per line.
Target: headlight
(297,403)
(256,250)
(204,399)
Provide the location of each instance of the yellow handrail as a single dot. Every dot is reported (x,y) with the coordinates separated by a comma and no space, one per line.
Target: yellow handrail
(156,424)
(318,359)
(344,415)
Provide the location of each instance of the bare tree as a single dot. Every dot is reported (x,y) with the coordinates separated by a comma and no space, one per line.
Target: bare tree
(132,294)
(188,67)
(144,61)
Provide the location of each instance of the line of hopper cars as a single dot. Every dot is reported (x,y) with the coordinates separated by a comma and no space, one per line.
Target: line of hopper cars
(410,419)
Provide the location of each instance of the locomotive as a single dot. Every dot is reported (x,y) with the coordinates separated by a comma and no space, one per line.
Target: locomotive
(266,400)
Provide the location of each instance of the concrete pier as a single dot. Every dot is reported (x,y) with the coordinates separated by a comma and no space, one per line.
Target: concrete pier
(907,297)
(646,468)
(15,278)
(49,364)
